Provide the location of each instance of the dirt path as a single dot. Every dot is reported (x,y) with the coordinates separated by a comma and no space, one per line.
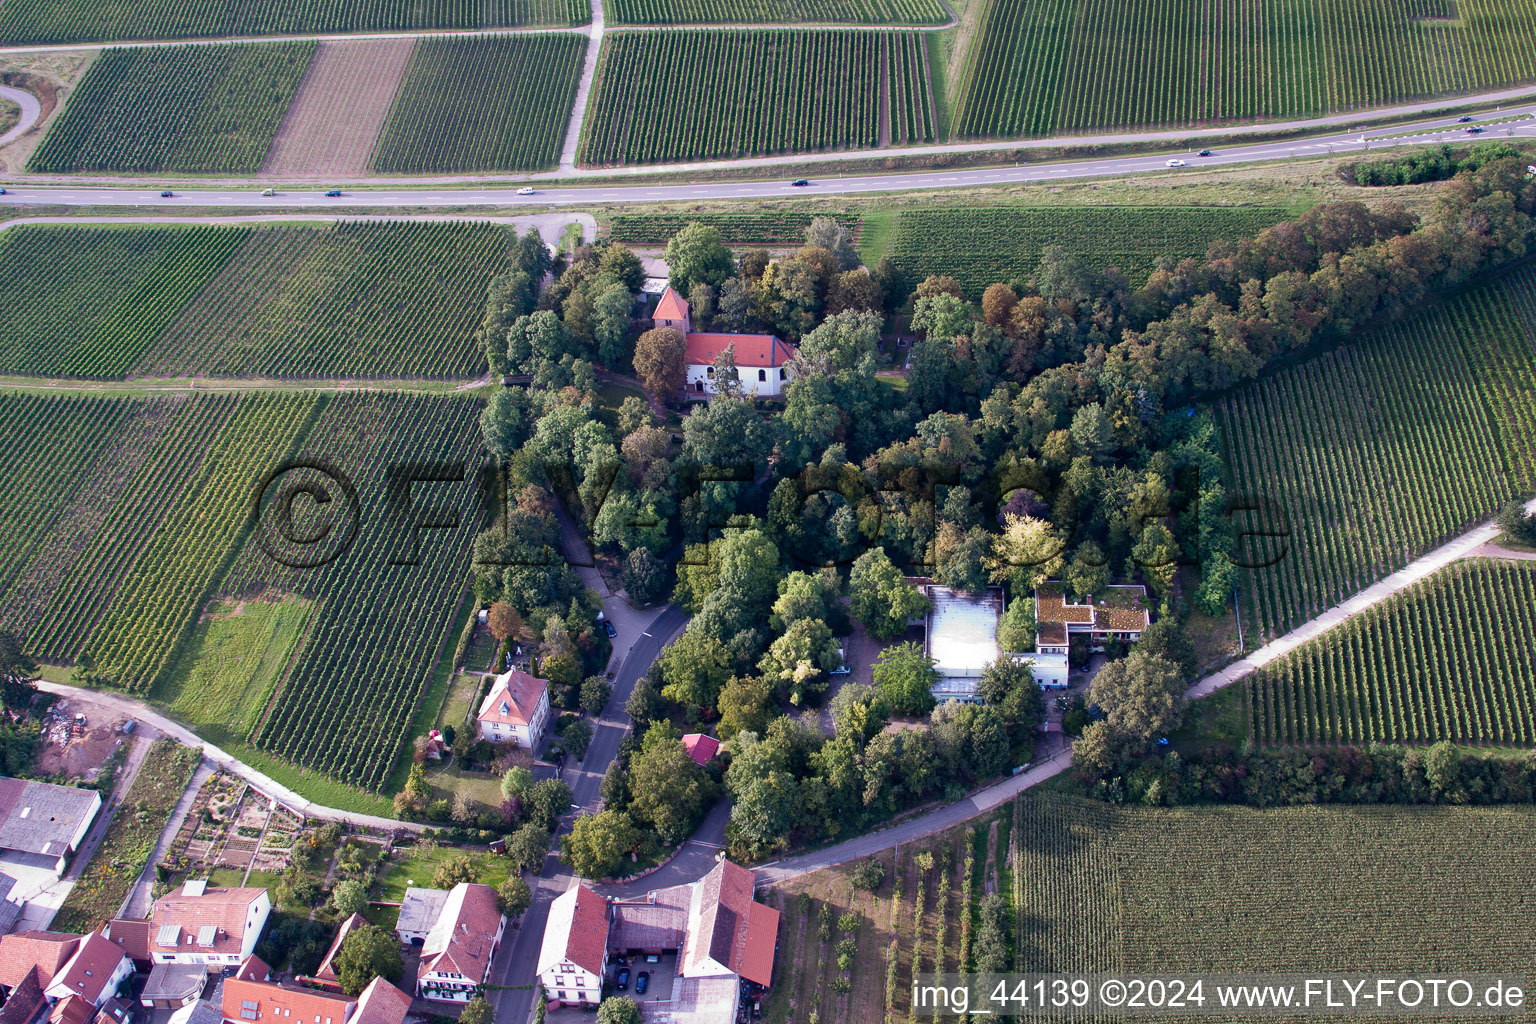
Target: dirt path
(31,110)
(334,120)
(583,90)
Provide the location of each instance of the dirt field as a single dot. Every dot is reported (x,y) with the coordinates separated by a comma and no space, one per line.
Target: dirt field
(330,129)
(64,753)
(49,76)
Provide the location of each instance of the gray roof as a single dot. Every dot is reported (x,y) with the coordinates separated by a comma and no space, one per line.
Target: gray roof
(40,818)
(175,981)
(420,909)
(657,920)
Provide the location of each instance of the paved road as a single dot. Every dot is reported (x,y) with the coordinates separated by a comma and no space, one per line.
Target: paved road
(31,110)
(1427,132)
(132,708)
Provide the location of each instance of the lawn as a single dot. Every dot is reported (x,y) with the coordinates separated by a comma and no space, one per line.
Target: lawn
(414,866)
(314,786)
(226,878)
(236,656)
(131,838)
(482,787)
(461,697)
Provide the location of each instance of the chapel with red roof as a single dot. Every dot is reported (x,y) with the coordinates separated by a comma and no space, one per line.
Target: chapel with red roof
(762,360)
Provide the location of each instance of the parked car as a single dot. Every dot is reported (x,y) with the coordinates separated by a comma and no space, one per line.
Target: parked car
(526,190)
(167,194)
(333,192)
(608,629)
(1176,162)
(652,958)
(799,183)
(129,726)
(621,980)
(269,191)
(642,983)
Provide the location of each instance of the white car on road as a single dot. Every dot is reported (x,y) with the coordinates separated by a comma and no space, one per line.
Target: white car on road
(526,190)
(1176,162)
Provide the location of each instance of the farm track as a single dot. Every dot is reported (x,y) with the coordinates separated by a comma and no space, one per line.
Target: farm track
(334,120)
(31,110)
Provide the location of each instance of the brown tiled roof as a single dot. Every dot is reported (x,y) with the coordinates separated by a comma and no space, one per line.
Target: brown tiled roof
(461,940)
(132,937)
(381,1003)
(277,1002)
(325,972)
(755,350)
(577,930)
(47,951)
(671,307)
(223,909)
(729,928)
(25,1000)
(90,968)
(72,1010)
(513,699)
(253,968)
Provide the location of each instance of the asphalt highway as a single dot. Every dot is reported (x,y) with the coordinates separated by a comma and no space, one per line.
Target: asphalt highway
(1428,132)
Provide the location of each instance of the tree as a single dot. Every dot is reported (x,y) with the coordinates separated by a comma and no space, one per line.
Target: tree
(1142,695)
(905,677)
(477,1011)
(1099,751)
(1010,687)
(868,874)
(726,378)
(802,658)
(598,843)
(595,691)
(644,576)
(368,952)
(611,324)
(1088,572)
(528,846)
(670,790)
(547,800)
(660,362)
(1025,554)
(298,886)
(695,667)
(503,621)
(16,672)
(618,1010)
(744,705)
(515,782)
(1157,555)
(881,597)
(349,897)
(696,253)
(1519,524)
(452,871)
(829,234)
(1017,630)
(1168,638)
(854,290)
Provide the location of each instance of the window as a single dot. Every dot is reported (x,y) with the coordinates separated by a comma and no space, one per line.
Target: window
(762,374)
(710,370)
(698,385)
(783,374)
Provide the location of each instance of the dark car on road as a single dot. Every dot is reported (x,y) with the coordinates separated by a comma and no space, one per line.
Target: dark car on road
(333,192)
(799,183)
(167,194)
(1464,120)
(608,629)
(621,980)
(642,983)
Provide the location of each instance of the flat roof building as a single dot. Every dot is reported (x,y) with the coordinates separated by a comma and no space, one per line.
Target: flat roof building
(41,825)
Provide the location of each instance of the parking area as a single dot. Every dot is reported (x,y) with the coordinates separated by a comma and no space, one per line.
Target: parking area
(658,981)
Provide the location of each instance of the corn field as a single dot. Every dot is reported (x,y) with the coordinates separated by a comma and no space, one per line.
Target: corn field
(1450,659)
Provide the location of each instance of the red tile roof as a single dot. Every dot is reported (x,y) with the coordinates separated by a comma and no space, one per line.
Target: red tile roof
(462,940)
(25,1000)
(381,1003)
(259,1002)
(577,930)
(47,951)
(671,307)
(132,937)
(762,943)
(700,747)
(513,699)
(88,972)
(253,968)
(730,928)
(326,972)
(223,909)
(72,1010)
(757,350)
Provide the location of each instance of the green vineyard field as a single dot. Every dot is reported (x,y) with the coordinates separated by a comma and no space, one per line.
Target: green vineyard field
(493,103)
(1377,451)
(1045,66)
(185,109)
(122,519)
(354,299)
(1080,887)
(777,227)
(91,21)
(1450,659)
(982,246)
(712,94)
(769,12)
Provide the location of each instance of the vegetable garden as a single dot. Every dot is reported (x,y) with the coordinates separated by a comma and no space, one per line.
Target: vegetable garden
(90,21)
(980,246)
(1089,887)
(185,109)
(1449,659)
(1377,451)
(721,12)
(712,94)
(491,103)
(1065,65)
(766,227)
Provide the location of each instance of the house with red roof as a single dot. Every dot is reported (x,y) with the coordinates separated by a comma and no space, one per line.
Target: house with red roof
(574,953)
(700,747)
(197,924)
(381,1003)
(48,952)
(762,360)
(247,1000)
(325,974)
(516,710)
(723,939)
(456,956)
(92,974)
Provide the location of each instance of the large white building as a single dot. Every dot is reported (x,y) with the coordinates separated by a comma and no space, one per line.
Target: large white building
(211,928)
(574,953)
(42,825)
(762,360)
(456,955)
(960,635)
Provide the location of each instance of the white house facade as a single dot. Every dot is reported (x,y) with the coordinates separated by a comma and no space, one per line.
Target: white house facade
(574,953)
(763,362)
(516,710)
